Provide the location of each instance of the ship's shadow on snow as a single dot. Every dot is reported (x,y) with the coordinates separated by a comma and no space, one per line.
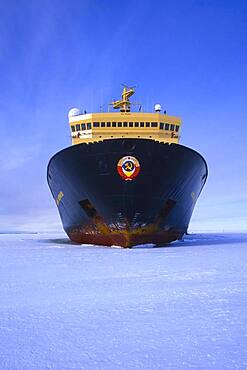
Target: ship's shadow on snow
(210,239)
(65,241)
(188,241)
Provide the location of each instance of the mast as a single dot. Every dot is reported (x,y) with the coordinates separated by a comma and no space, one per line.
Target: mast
(124,103)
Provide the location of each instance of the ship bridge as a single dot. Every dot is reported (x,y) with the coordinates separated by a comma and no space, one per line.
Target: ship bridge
(93,127)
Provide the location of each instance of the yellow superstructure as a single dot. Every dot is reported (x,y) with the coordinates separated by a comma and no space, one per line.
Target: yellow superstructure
(93,127)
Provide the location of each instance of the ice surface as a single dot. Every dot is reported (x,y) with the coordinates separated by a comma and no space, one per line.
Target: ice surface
(64,306)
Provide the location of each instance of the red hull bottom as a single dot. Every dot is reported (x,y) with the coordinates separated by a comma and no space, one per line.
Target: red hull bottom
(124,238)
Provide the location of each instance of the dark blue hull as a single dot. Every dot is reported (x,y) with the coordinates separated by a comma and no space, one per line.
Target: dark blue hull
(97,206)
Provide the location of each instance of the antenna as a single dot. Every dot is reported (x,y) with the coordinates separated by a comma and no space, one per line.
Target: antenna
(101,107)
(128,86)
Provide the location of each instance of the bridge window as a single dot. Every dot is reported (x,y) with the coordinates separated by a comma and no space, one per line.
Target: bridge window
(114,124)
(147,124)
(89,126)
(154,124)
(73,128)
(78,127)
(161,125)
(96,124)
(141,124)
(130,124)
(119,124)
(136,124)
(171,127)
(102,124)
(83,126)
(177,128)
(125,124)
(167,126)
(108,124)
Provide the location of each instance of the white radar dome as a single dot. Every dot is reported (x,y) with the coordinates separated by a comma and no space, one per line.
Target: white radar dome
(157,107)
(74,112)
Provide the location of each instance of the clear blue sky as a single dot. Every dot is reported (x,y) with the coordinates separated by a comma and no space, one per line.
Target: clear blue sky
(190,56)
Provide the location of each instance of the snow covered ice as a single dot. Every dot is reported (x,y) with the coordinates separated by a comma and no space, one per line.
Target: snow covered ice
(64,306)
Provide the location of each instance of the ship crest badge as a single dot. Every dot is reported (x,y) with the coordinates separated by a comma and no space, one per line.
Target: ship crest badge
(128,168)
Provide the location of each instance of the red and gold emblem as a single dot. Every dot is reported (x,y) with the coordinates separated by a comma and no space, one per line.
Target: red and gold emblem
(128,168)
